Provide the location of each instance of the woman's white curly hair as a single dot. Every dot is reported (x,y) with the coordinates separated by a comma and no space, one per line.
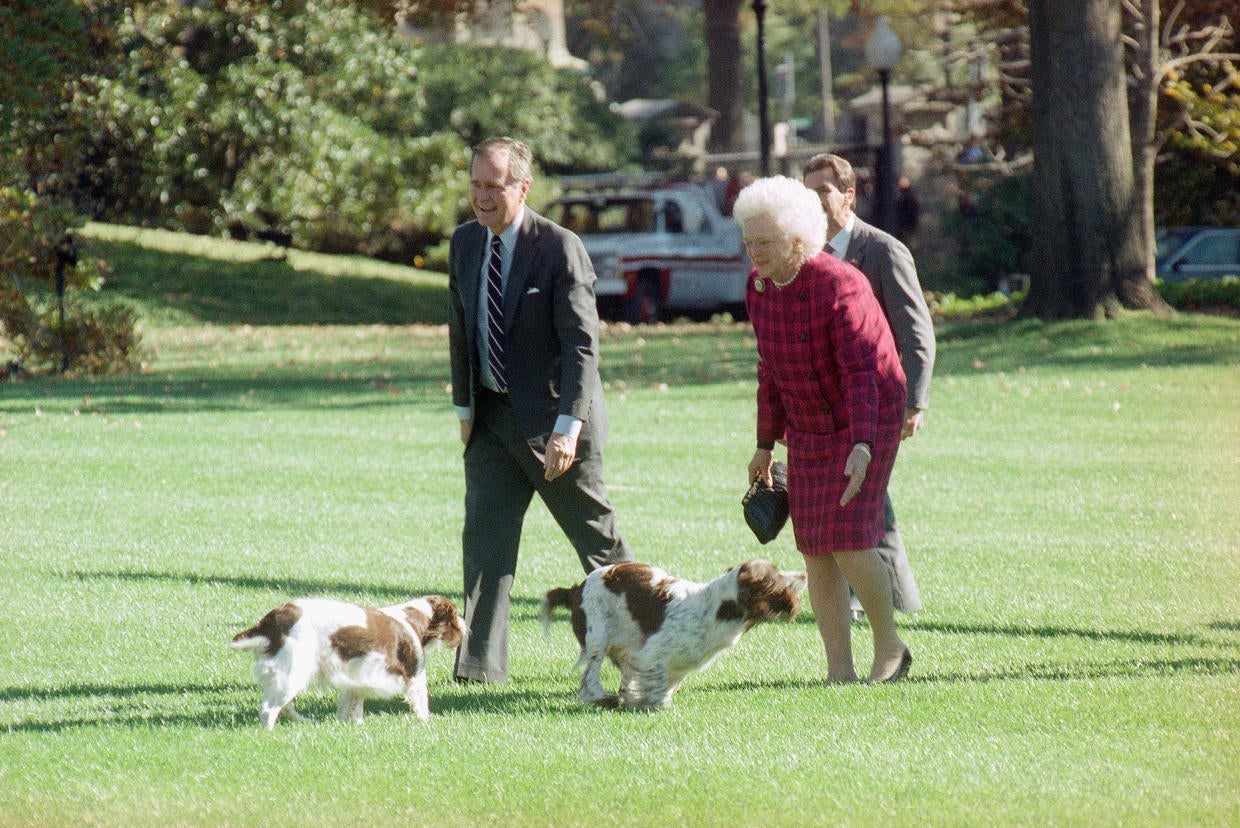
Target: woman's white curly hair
(792,205)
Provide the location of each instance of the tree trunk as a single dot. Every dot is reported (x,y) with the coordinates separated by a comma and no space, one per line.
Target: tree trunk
(1142,115)
(723,72)
(1088,256)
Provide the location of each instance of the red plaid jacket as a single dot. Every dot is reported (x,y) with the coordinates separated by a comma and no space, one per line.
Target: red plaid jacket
(826,358)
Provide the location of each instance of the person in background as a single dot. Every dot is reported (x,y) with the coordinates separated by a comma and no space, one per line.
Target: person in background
(717,188)
(831,387)
(888,265)
(908,210)
(736,183)
(971,152)
(523,339)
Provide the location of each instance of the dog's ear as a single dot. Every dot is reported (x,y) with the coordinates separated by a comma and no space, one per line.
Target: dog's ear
(766,592)
(796,581)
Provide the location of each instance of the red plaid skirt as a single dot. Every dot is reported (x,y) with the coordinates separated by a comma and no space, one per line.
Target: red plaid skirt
(816,482)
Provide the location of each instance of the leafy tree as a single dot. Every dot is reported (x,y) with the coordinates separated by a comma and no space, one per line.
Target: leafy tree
(312,123)
(1182,90)
(479,92)
(992,229)
(42,45)
(638,49)
(1185,102)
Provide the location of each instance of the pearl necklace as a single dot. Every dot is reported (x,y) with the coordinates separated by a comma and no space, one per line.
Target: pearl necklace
(795,273)
(782,285)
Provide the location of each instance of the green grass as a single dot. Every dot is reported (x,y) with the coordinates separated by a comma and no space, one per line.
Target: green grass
(1070,511)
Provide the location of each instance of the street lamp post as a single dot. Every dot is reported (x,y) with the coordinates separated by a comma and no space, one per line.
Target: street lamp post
(882,51)
(764,118)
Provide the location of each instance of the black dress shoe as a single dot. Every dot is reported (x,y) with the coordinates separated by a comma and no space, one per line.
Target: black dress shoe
(906,662)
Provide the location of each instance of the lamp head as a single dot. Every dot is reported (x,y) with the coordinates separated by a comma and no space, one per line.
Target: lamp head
(882,50)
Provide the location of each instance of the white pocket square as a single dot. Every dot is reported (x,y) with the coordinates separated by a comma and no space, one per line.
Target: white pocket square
(532,291)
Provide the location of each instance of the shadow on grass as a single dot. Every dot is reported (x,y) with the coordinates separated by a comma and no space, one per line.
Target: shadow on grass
(1027,631)
(118,396)
(523,608)
(1229,626)
(975,346)
(265,292)
(131,706)
(222,710)
(1129,668)
(292,587)
(234,706)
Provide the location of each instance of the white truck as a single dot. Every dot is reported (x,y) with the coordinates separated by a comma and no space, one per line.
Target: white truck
(659,249)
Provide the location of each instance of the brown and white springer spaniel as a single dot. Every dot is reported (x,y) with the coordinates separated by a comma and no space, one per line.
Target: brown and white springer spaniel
(657,628)
(362,651)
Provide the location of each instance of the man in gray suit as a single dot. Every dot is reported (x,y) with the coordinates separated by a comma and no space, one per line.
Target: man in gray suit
(889,266)
(523,334)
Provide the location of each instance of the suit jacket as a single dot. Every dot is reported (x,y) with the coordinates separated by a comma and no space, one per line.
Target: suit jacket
(550,321)
(888,264)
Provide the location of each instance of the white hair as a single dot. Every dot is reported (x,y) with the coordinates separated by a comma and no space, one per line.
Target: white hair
(790,204)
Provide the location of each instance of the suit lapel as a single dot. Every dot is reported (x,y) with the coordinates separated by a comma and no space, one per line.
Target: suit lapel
(470,284)
(523,257)
(855,255)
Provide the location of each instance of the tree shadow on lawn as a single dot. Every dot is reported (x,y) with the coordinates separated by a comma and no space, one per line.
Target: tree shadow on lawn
(268,291)
(292,587)
(1124,668)
(974,347)
(234,706)
(222,710)
(132,705)
(118,396)
(1026,631)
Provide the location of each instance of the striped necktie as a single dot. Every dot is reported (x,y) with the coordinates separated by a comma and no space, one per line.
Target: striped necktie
(495,316)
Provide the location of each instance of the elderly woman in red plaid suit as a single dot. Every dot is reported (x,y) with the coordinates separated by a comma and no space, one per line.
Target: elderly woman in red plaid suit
(831,387)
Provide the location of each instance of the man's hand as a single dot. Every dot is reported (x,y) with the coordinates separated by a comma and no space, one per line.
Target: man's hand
(467,427)
(561,452)
(912,422)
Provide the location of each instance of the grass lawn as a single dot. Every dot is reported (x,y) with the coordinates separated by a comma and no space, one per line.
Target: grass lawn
(1071,512)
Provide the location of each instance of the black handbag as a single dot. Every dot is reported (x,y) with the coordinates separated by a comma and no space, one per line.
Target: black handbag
(766,507)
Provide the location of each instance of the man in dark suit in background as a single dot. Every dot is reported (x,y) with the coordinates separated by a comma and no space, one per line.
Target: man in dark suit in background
(888,264)
(523,333)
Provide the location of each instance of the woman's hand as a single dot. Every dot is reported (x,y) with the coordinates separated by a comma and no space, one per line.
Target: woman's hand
(854,469)
(760,466)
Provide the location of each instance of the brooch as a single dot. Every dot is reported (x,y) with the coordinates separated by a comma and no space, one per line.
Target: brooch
(759,285)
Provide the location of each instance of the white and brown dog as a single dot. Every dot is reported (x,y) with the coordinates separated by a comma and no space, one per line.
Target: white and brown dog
(657,628)
(364,652)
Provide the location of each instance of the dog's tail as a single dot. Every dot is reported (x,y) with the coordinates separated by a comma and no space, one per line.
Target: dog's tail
(250,639)
(269,633)
(558,597)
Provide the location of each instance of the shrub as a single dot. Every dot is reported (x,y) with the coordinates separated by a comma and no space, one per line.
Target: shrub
(992,231)
(1202,294)
(36,246)
(313,124)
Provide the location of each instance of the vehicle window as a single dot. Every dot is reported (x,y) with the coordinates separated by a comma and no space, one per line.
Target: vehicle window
(575,216)
(586,218)
(1212,249)
(1169,241)
(630,217)
(673,218)
(694,218)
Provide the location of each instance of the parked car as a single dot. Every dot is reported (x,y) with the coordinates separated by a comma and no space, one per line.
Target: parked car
(1183,253)
(658,249)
